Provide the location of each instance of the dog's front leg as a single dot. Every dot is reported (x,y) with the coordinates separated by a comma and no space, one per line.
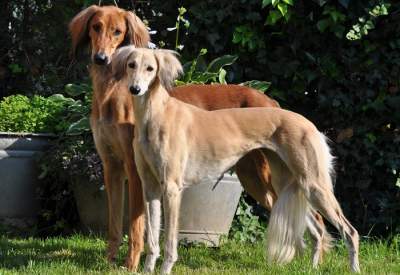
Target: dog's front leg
(171,201)
(152,209)
(113,179)
(136,215)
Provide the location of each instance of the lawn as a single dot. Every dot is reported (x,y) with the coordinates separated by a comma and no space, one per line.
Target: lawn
(85,255)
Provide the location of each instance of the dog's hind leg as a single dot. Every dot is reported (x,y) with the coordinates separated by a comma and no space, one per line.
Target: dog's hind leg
(320,237)
(171,202)
(255,176)
(136,215)
(114,178)
(323,200)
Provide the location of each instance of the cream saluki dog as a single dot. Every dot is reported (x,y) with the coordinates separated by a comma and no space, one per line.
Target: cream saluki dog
(177,145)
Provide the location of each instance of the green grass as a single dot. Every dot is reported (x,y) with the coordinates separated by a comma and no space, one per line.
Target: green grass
(85,255)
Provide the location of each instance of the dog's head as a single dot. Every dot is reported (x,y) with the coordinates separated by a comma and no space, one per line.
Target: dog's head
(106,29)
(144,67)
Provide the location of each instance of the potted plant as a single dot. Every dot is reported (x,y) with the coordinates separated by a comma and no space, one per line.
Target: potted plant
(26,126)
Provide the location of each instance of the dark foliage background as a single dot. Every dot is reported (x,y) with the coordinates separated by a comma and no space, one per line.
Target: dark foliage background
(348,88)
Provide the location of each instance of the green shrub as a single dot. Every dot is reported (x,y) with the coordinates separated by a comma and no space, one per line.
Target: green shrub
(19,113)
(335,62)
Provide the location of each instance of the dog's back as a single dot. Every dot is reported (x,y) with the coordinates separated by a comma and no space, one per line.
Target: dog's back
(220,96)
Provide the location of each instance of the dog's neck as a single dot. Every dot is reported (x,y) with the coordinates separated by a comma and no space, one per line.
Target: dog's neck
(101,76)
(111,102)
(150,107)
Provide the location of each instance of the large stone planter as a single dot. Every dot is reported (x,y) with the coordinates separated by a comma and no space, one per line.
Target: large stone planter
(91,202)
(205,215)
(19,176)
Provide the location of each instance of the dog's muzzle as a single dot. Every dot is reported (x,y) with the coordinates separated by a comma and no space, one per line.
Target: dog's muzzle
(100,58)
(134,89)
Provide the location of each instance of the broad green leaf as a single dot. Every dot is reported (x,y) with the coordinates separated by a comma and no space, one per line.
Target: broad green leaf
(204,77)
(273,17)
(203,51)
(221,76)
(311,57)
(266,3)
(61,98)
(282,7)
(261,86)
(237,37)
(79,127)
(289,2)
(75,90)
(337,16)
(180,83)
(220,62)
(275,2)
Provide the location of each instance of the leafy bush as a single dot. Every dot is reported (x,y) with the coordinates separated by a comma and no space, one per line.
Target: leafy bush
(246,225)
(38,114)
(70,158)
(337,63)
(72,155)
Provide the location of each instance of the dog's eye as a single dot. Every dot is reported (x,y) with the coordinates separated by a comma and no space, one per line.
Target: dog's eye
(150,68)
(132,65)
(96,28)
(117,32)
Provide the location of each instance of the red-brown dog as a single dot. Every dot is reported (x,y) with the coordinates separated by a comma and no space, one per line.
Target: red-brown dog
(112,122)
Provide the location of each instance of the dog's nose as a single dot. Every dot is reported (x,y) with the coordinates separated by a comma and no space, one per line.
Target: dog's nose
(100,58)
(135,89)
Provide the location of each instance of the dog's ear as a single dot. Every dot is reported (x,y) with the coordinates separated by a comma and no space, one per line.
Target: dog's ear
(169,67)
(137,33)
(119,60)
(78,27)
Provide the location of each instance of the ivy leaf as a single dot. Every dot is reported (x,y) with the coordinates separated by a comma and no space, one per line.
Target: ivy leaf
(311,57)
(282,7)
(289,2)
(266,3)
(321,2)
(273,17)
(275,2)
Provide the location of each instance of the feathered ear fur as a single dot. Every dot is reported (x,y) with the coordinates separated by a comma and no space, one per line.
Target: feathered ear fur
(137,33)
(119,60)
(169,67)
(78,27)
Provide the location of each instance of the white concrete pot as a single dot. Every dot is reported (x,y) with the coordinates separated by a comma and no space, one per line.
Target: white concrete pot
(205,215)
(19,176)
